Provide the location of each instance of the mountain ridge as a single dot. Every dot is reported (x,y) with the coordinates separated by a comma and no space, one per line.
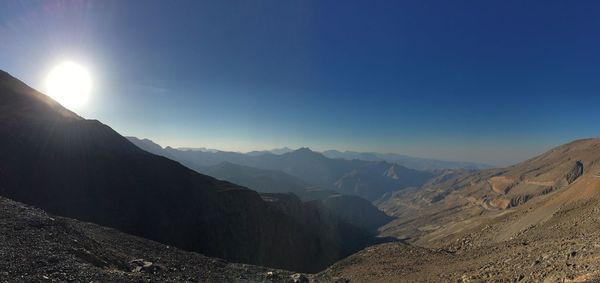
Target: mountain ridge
(313,168)
(471,227)
(72,167)
(352,209)
(412,162)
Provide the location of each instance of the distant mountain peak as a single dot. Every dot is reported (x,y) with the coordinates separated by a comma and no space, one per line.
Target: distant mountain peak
(304,149)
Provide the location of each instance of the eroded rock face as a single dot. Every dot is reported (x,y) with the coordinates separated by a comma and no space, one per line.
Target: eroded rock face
(575,172)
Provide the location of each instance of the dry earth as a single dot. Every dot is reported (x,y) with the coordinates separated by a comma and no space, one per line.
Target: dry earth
(546,230)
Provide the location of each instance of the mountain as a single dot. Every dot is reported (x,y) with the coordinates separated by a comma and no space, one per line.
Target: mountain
(307,165)
(204,149)
(314,168)
(535,221)
(405,160)
(148,146)
(495,190)
(351,209)
(55,160)
(260,180)
(376,179)
(58,249)
(282,150)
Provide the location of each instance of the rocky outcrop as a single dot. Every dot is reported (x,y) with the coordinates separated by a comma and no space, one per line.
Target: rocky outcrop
(575,172)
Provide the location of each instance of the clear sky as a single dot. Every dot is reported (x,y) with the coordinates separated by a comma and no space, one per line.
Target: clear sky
(488,81)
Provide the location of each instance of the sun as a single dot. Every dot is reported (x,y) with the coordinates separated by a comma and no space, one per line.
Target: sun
(69,84)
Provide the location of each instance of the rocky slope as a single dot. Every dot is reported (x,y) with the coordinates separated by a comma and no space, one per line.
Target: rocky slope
(488,192)
(38,247)
(69,166)
(349,208)
(532,222)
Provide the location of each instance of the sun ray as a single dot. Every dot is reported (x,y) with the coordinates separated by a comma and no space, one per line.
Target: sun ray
(69,84)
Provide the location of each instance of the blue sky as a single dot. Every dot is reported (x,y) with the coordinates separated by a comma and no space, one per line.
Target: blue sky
(486,81)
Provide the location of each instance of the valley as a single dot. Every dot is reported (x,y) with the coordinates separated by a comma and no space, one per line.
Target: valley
(356,220)
(299,141)
(103,178)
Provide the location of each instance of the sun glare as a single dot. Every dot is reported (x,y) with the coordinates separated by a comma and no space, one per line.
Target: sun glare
(70,84)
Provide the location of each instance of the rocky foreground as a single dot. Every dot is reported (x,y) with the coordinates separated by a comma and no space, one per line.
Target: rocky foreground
(38,247)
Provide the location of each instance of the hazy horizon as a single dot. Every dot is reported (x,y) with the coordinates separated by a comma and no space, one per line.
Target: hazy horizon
(322,149)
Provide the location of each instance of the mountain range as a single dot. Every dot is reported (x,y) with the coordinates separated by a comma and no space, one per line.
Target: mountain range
(535,221)
(69,166)
(370,180)
(406,161)
(351,208)
(411,162)
(80,202)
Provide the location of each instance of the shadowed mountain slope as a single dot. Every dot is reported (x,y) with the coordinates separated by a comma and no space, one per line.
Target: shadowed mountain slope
(69,166)
(260,180)
(58,249)
(350,208)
